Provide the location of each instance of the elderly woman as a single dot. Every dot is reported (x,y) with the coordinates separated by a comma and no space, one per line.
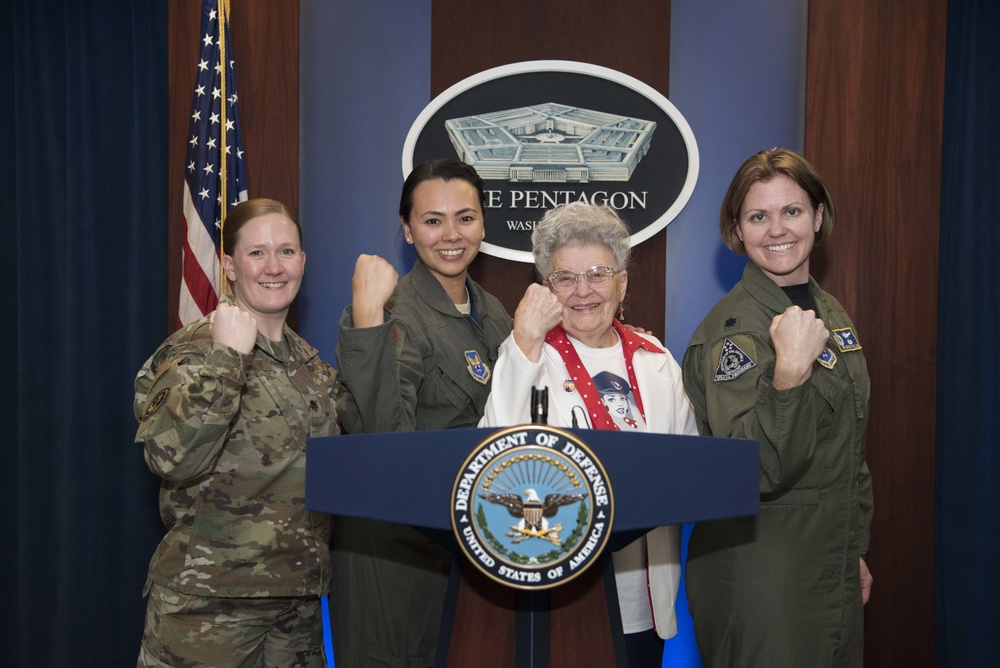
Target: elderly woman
(779,360)
(602,376)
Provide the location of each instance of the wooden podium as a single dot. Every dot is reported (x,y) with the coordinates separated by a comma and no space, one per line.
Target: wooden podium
(657,479)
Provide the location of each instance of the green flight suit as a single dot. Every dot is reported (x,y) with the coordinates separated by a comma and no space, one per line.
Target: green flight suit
(413,372)
(782,588)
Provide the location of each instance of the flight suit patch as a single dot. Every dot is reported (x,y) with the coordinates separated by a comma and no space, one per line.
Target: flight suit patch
(735,358)
(846,340)
(827,358)
(477,368)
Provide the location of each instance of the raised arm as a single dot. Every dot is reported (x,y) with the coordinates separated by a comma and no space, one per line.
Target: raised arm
(186,397)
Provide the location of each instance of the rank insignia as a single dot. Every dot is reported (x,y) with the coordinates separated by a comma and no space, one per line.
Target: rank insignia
(827,358)
(568,386)
(846,340)
(477,368)
(156,403)
(730,322)
(734,360)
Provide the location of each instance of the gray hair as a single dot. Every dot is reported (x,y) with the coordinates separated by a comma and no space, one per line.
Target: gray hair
(579,223)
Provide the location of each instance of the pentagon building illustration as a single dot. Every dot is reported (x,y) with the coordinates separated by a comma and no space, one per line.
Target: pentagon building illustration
(551,143)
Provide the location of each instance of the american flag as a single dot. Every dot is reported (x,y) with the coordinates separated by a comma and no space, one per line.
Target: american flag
(203,184)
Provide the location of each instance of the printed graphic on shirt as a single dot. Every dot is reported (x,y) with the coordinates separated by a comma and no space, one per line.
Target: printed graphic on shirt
(827,358)
(846,340)
(477,368)
(735,358)
(618,398)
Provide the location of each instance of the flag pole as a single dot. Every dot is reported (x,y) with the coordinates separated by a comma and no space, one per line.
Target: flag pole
(223,9)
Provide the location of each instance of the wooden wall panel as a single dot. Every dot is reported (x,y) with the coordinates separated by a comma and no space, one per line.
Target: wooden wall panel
(265,38)
(631,36)
(873,127)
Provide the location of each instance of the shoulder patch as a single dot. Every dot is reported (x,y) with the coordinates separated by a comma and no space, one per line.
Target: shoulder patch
(735,357)
(477,367)
(156,403)
(846,340)
(827,358)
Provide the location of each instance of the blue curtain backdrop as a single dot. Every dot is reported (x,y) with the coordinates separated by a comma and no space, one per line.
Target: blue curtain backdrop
(85,111)
(968,434)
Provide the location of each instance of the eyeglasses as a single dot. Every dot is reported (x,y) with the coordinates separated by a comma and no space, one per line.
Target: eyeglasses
(597,277)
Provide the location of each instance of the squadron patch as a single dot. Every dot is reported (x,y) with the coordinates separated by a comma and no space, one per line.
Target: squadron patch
(846,340)
(156,403)
(827,358)
(532,507)
(477,368)
(734,360)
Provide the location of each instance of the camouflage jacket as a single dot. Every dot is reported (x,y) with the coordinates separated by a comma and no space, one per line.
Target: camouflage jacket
(227,433)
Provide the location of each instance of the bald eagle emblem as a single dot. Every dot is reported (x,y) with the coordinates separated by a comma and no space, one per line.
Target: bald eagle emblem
(532,513)
(532,506)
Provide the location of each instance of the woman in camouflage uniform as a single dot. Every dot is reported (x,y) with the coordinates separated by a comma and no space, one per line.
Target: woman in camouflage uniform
(225,406)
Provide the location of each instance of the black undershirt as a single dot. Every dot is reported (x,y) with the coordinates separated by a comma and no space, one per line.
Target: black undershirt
(801,296)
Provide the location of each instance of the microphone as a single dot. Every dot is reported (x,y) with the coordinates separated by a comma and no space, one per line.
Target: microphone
(539,405)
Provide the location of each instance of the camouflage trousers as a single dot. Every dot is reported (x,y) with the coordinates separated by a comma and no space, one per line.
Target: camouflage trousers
(186,631)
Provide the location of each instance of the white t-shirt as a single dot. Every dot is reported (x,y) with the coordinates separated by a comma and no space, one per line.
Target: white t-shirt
(608,364)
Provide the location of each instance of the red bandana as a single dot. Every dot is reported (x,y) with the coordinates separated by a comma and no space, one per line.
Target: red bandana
(599,416)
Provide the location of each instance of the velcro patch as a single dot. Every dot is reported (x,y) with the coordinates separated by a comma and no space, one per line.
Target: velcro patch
(827,358)
(846,340)
(156,403)
(735,357)
(477,367)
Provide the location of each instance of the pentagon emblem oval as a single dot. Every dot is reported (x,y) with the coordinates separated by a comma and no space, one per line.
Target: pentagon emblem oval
(547,132)
(532,507)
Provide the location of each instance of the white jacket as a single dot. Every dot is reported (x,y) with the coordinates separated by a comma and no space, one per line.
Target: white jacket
(667,412)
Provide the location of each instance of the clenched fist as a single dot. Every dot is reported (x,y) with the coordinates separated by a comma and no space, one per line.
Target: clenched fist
(372,284)
(233,327)
(537,313)
(798,337)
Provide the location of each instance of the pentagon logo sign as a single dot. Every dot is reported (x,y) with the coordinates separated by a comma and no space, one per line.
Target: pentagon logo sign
(532,507)
(547,132)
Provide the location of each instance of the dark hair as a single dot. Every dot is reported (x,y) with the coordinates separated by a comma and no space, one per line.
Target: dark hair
(446,170)
(764,166)
(246,211)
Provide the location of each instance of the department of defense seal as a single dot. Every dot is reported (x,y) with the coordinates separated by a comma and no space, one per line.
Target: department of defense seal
(532,507)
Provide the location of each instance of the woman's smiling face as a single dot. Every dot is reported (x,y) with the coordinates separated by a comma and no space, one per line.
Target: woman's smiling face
(778,228)
(588,311)
(446,226)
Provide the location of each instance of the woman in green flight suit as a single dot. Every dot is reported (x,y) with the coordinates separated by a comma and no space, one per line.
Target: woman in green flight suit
(414,354)
(778,360)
